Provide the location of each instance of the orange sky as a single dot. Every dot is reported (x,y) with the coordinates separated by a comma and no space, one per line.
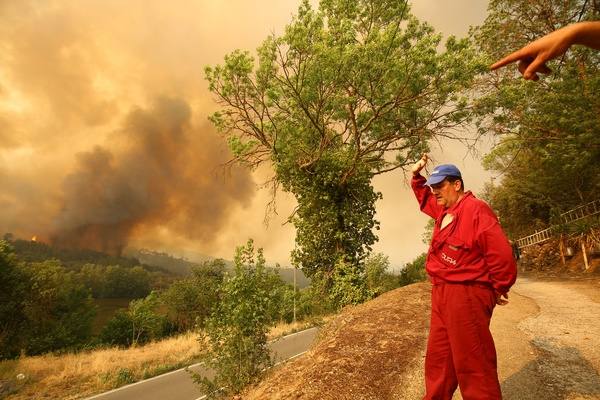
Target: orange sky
(82,82)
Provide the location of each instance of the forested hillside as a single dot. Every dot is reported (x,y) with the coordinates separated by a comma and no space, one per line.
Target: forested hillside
(74,258)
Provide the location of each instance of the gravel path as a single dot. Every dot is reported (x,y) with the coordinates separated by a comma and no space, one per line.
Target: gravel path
(565,338)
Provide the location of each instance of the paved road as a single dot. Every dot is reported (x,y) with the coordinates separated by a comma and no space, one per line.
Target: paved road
(178,385)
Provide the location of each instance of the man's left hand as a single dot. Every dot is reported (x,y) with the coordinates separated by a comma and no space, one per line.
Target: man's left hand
(499,299)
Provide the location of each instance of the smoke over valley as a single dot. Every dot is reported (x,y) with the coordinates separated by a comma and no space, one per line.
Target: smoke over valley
(104,138)
(103,129)
(166,174)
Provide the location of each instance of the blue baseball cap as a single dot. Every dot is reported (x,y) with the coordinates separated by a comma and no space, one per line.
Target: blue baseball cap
(441,172)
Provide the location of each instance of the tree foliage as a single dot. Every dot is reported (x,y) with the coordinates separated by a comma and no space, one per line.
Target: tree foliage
(190,301)
(59,309)
(350,90)
(13,289)
(141,323)
(42,307)
(118,331)
(379,278)
(349,285)
(115,281)
(548,154)
(147,322)
(414,271)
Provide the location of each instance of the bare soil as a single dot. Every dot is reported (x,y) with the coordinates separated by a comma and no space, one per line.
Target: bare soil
(362,354)
(547,339)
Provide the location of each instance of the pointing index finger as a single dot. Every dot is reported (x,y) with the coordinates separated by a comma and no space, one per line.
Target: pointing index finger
(512,57)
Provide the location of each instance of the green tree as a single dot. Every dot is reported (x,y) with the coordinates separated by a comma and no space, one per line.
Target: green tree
(414,271)
(349,285)
(92,276)
(13,290)
(548,152)
(379,279)
(307,304)
(184,300)
(141,323)
(147,323)
(236,333)
(58,308)
(115,281)
(190,301)
(288,298)
(350,90)
(281,304)
(126,282)
(118,331)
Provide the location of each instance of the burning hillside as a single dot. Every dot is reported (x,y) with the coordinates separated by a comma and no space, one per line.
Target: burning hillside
(104,139)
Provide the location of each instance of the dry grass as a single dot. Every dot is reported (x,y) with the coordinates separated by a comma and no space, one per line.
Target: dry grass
(75,376)
(284,329)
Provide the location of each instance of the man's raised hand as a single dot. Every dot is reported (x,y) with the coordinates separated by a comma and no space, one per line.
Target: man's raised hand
(419,165)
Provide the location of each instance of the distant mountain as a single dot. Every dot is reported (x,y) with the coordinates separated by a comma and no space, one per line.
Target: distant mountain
(175,265)
(182,266)
(194,256)
(74,259)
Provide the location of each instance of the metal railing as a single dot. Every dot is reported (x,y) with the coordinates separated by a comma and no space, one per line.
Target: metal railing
(573,215)
(580,212)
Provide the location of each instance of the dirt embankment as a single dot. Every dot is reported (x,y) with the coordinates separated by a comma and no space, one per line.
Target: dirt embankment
(365,353)
(547,340)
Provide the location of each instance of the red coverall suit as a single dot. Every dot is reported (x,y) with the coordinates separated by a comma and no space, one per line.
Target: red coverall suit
(470,261)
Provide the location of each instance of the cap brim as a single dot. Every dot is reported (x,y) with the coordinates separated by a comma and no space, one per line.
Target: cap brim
(434,180)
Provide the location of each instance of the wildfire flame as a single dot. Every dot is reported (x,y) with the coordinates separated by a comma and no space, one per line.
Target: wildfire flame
(34,239)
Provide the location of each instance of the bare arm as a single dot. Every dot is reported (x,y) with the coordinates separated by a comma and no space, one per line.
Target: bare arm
(533,57)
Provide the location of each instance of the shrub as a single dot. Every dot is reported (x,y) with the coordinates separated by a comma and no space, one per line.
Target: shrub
(414,271)
(236,332)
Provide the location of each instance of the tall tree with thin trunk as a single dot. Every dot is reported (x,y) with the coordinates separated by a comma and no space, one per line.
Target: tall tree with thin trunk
(351,90)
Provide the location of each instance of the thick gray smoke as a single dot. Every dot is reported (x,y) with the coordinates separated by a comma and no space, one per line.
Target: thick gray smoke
(167,173)
(87,159)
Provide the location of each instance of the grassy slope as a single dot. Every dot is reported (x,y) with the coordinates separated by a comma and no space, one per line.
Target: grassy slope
(76,376)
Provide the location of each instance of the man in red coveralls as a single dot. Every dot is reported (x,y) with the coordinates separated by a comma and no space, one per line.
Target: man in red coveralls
(471,267)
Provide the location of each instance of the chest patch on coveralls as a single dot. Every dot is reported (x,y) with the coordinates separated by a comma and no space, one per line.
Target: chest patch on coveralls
(448,259)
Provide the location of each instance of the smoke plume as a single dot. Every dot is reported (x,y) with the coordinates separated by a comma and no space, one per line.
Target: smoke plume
(103,132)
(167,174)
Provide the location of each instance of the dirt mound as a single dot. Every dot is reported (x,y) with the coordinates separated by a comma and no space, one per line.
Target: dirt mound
(364,353)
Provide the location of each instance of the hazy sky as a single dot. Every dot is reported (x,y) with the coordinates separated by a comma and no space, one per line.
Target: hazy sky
(103,117)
